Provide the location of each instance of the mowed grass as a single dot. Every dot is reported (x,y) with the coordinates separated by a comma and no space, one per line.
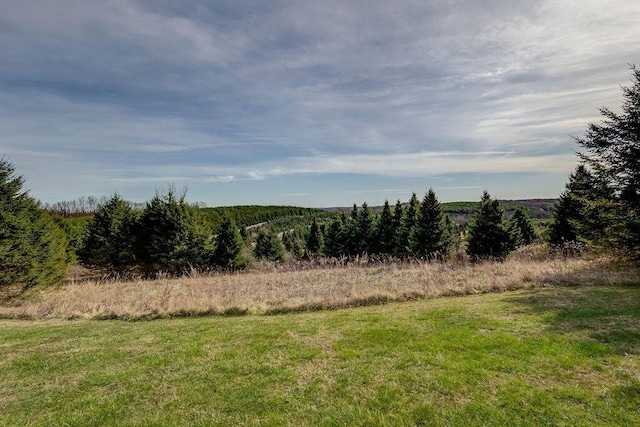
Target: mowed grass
(545,356)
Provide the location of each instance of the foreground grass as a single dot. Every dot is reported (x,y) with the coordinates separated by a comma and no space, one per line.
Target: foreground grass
(272,292)
(551,356)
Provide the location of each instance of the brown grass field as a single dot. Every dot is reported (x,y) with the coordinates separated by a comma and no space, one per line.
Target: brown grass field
(267,290)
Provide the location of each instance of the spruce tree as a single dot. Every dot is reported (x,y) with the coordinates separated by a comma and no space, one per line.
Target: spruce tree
(229,246)
(110,238)
(268,246)
(314,241)
(487,237)
(426,239)
(562,228)
(611,150)
(521,228)
(364,229)
(384,232)
(33,249)
(171,236)
(408,221)
(332,246)
(398,213)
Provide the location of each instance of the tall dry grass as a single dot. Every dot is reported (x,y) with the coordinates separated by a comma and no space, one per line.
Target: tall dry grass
(268,292)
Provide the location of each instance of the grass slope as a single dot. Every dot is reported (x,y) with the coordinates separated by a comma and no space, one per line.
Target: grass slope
(550,356)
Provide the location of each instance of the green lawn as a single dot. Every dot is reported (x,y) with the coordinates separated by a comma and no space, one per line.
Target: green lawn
(556,356)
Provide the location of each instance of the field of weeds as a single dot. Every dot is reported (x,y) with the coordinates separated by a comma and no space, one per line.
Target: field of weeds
(268,290)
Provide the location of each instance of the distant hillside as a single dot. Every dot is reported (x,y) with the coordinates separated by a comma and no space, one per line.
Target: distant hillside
(461,212)
(245,216)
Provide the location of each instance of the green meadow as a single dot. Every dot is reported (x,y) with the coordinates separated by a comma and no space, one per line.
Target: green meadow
(548,356)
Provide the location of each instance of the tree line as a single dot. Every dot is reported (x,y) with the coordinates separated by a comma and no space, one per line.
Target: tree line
(420,230)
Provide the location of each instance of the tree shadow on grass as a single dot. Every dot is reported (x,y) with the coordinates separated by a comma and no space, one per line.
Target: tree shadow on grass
(602,303)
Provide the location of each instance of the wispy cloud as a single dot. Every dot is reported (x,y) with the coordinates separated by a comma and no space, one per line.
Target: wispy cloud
(135,92)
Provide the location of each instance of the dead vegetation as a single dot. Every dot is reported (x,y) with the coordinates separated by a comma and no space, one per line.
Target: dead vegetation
(272,291)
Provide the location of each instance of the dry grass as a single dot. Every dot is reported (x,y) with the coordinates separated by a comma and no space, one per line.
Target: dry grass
(270,292)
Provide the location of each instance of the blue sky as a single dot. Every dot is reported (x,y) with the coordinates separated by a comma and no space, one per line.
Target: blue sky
(309,103)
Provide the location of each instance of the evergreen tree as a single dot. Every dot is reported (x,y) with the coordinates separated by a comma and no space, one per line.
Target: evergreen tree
(171,236)
(450,235)
(408,221)
(314,241)
(364,229)
(488,238)
(294,244)
(268,246)
(110,236)
(563,229)
(426,239)
(582,212)
(398,213)
(521,228)
(33,249)
(229,246)
(332,245)
(612,152)
(384,232)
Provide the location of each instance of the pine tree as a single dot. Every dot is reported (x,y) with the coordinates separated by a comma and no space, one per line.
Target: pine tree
(314,241)
(612,152)
(33,249)
(426,237)
(332,245)
(521,228)
(229,246)
(384,232)
(487,237)
(408,221)
(171,236)
(268,246)
(110,236)
(364,229)
(563,229)
(398,213)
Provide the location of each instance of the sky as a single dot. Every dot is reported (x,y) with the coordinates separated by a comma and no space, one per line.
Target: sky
(307,103)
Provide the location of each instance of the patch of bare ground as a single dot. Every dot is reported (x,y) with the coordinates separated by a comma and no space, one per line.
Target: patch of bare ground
(320,288)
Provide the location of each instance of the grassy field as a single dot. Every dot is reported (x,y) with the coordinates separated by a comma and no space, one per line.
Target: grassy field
(547,356)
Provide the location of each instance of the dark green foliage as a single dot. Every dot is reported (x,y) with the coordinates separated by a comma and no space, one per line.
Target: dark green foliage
(521,229)
(244,216)
(364,229)
(110,241)
(408,221)
(314,240)
(294,242)
(33,249)
(75,228)
(584,211)
(229,246)
(268,246)
(563,228)
(171,236)
(487,237)
(333,245)
(612,152)
(383,241)
(427,237)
